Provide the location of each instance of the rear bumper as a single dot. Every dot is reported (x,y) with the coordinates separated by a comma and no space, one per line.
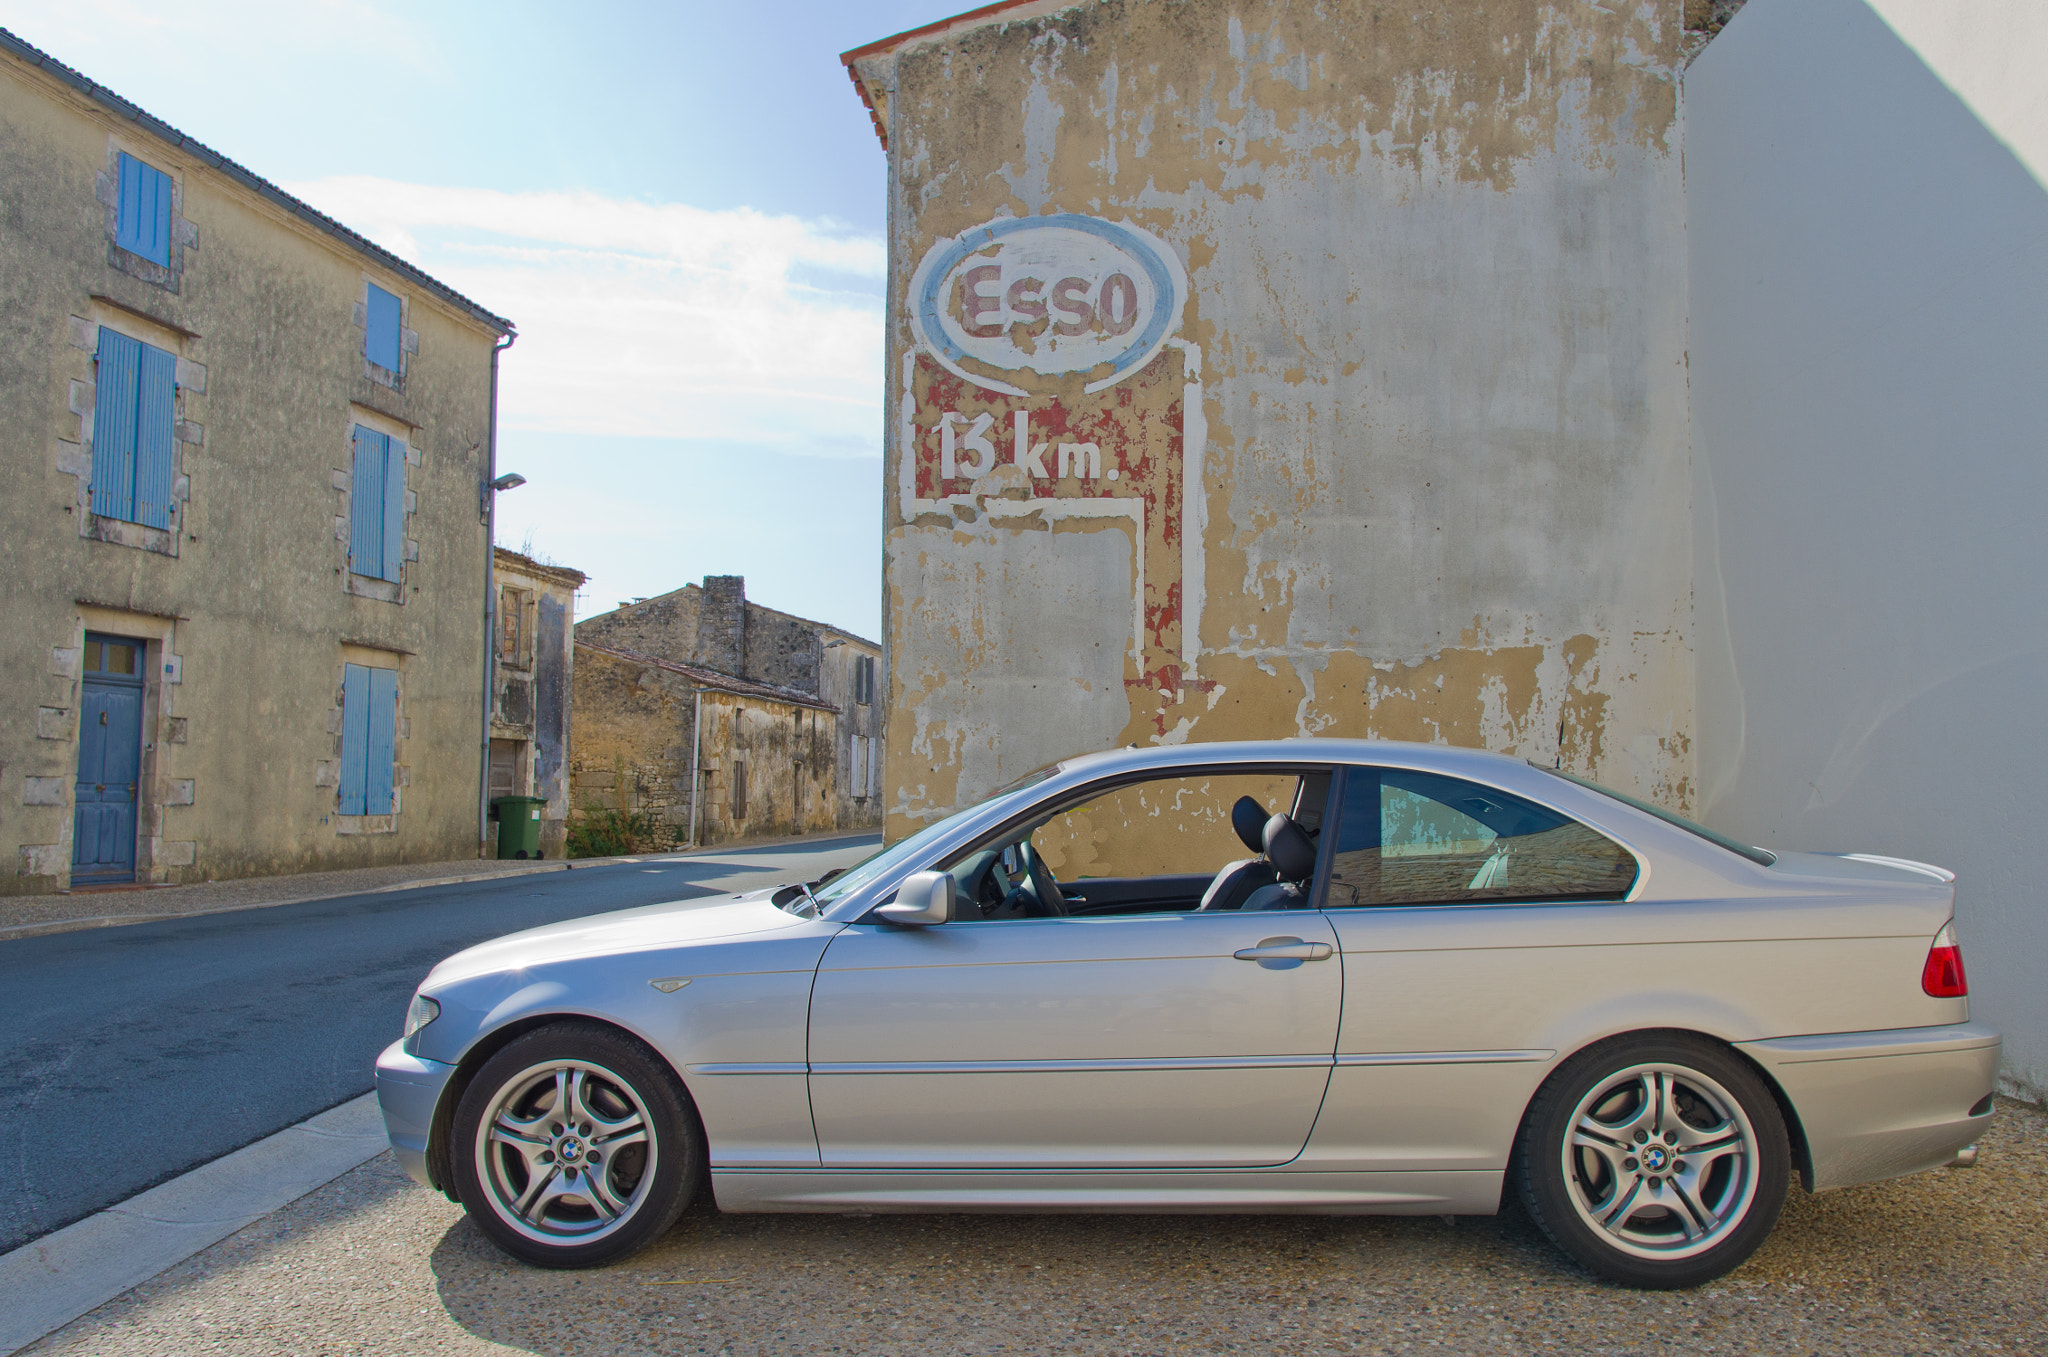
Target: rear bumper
(1878,1105)
(408,1091)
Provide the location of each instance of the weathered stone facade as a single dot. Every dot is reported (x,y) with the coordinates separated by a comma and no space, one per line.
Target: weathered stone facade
(267,673)
(531,669)
(763,755)
(712,627)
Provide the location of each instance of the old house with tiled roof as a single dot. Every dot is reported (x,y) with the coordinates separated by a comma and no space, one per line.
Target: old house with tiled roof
(714,718)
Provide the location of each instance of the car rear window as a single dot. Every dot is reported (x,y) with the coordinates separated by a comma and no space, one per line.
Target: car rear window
(1762,857)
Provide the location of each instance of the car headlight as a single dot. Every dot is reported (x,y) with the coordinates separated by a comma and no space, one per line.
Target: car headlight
(422,1012)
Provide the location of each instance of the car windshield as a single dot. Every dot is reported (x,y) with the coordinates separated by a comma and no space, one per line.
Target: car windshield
(1762,857)
(892,858)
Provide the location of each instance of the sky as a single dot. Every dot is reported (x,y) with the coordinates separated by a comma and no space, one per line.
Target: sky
(680,205)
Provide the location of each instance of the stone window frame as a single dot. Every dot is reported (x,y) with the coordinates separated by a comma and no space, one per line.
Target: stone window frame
(74,442)
(343,481)
(408,339)
(184,234)
(327,772)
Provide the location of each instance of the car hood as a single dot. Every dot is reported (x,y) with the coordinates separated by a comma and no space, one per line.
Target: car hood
(720,918)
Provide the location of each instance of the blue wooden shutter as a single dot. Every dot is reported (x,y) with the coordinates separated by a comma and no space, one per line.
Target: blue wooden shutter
(154,433)
(115,400)
(143,219)
(394,508)
(355,738)
(366,503)
(380,335)
(383,741)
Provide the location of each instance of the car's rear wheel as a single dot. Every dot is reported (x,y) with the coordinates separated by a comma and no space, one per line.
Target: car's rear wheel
(1658,1161)
(574,1146)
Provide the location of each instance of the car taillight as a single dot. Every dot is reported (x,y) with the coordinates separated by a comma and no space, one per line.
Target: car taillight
(1942,976)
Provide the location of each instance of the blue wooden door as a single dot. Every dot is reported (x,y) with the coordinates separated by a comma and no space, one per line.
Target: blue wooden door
(109,762)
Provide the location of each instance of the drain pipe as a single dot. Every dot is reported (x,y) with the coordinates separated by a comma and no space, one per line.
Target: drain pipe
(488,493)
(696,772)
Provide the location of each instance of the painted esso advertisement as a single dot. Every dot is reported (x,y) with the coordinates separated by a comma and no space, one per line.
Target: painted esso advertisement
(1048,295)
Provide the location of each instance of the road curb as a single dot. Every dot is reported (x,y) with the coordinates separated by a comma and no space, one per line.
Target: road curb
(81,1267)
(13,931)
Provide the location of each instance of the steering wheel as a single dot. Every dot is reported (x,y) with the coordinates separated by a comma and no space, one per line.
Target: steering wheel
(1049,899)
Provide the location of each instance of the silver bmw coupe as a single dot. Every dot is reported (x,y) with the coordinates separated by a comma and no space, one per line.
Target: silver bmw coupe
(1309,975)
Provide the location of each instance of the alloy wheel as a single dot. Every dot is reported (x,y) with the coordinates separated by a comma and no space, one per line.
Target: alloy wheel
(564,1152)
(1660,1161)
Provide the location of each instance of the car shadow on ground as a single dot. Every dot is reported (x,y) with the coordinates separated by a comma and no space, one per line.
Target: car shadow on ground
(1946,1261)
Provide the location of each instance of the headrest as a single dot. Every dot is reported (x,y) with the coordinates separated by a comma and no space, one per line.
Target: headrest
(1248,818)
(1291,851)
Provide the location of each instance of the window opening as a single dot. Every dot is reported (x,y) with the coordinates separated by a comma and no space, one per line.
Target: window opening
(1413,838)
(369,731)
(134,412)
(380,331)
(143,219)
(376,505)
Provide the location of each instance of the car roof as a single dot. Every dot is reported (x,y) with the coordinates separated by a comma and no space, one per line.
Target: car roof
(1313,749)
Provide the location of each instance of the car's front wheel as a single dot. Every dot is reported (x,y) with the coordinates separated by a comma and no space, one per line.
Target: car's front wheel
(1657,1161)
(574,1146)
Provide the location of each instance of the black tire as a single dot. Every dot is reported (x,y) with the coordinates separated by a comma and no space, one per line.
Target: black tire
(592,1194)
(1643,1102)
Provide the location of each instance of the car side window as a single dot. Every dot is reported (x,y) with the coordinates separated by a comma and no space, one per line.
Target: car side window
(1150,846)
(1410,838)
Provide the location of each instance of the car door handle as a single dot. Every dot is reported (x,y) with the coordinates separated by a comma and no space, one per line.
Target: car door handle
(1284,949)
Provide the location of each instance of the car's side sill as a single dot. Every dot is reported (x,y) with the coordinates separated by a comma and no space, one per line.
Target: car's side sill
(1269,1191)
(1205,1062)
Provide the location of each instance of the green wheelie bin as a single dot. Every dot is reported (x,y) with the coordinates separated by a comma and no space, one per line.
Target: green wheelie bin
(518,820)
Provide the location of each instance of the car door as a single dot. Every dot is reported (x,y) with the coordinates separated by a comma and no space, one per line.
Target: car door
(1177,1039)
(1447,897)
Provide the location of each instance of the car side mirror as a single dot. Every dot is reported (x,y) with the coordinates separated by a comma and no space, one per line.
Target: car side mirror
(924,898)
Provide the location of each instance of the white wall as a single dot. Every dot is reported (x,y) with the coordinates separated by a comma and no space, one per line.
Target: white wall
(1869,369)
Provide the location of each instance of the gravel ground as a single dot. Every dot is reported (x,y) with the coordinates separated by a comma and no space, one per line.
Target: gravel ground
(1947,1262)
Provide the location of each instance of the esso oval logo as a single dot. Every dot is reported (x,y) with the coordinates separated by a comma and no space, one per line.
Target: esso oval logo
(1047,295)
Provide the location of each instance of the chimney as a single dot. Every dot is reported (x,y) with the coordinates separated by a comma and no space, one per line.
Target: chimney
(722,625)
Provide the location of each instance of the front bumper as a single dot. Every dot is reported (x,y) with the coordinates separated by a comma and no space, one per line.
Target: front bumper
(1878,1105)
(408,1091)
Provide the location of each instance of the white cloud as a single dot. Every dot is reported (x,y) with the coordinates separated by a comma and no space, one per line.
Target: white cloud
(646,319)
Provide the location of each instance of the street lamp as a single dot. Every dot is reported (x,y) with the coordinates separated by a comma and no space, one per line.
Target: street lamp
(511,480)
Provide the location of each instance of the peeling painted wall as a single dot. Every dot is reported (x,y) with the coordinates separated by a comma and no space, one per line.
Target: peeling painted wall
(1412,461)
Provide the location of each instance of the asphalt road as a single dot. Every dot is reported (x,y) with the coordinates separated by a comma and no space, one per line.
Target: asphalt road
(142,1051)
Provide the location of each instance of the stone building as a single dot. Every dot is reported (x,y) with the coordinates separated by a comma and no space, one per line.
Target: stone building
(719,637)
(1650,390)
(242,539)
(762,754)
(531,667)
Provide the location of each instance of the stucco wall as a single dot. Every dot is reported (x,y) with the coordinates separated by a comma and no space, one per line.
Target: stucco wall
(1869,254)
(1413,464)
(252,612)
